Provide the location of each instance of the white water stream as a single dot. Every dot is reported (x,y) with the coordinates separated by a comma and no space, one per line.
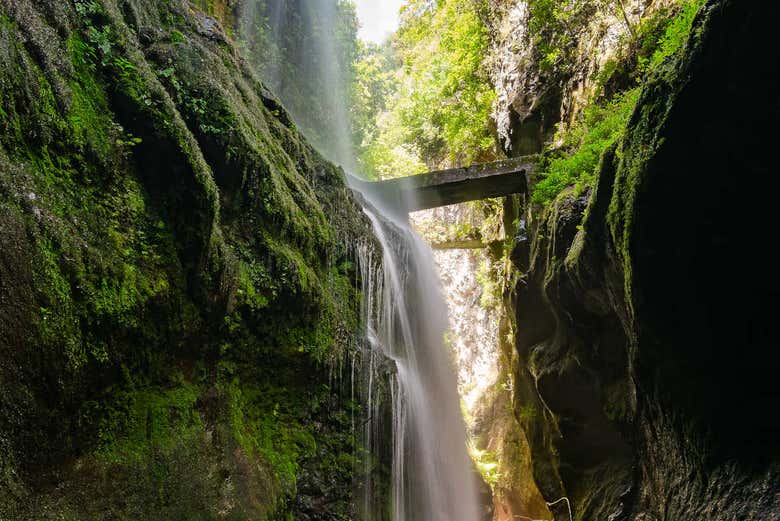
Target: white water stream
(404,372)
(432,474)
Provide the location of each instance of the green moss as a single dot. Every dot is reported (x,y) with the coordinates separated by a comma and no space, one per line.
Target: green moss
(148,294)
(267,422)
(139,423)
(57,317)
(253,278)
(177,37)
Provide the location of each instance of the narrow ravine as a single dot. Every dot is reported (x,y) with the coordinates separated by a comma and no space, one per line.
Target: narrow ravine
(408,260)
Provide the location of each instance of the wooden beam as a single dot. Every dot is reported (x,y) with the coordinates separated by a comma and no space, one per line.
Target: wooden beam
(455,185)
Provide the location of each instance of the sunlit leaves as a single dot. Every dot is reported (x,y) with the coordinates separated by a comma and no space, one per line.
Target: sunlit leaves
(582,145)
(439,108)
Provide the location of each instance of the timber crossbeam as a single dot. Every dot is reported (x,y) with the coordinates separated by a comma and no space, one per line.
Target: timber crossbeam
(456,185)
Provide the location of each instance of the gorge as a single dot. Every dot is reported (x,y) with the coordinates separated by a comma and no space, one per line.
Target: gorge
(204,316)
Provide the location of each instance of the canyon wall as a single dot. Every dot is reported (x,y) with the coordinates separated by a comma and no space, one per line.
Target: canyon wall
(643,305)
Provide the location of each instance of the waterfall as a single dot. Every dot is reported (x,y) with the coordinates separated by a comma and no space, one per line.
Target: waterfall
(336,88)
(304,53)
(432,474)
(403,373)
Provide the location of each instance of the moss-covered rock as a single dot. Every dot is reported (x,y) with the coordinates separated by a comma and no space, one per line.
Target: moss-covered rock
(642,316)
(175,275)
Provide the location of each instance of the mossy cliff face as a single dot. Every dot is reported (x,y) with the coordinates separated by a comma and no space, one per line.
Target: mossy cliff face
(175,276)
(643,314)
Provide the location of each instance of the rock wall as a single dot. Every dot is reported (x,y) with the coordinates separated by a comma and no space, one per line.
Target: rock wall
(548,61)
(176,276)
(646,357)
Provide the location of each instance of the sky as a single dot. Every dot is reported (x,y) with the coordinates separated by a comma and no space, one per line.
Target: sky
(378,18)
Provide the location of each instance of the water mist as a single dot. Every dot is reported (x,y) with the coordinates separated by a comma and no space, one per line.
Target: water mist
(404,372)
(432,474)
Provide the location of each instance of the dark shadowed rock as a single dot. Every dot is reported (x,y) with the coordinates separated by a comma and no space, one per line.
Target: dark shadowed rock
(644,321)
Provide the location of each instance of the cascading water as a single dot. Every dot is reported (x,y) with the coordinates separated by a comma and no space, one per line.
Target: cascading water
(432,475)
(304,53)
(404,372)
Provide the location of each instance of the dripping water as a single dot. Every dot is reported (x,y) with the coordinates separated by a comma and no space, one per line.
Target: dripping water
(300,53)
(402,374)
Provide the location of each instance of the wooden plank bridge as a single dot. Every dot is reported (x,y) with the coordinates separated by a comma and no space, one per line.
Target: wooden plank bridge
(456,185)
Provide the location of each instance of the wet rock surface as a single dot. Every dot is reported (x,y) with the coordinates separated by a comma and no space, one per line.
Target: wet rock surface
(176,275)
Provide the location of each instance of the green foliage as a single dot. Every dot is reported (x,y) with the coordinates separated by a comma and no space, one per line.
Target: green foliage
(550,25)
(450,99)
(601,123)
(436,97)
(654,39)
(177,37)
(375,85)
(487,465)
(675,35)
(582,145)
(383,151)
(386,152)
(208,119)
